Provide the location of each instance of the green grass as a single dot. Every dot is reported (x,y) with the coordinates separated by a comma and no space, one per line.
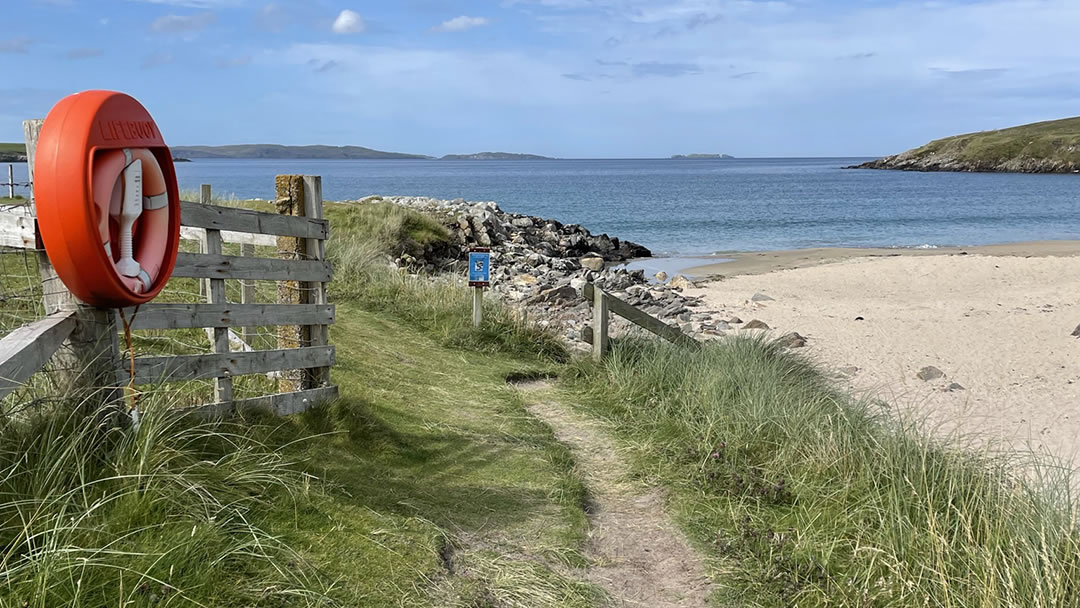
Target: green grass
(1057,140)
(427,484)
(806,497)
(442,307)
(12,148)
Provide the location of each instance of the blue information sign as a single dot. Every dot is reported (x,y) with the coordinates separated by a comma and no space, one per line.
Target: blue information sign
(479,267)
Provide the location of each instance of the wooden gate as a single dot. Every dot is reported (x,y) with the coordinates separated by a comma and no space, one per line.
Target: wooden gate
(303,357)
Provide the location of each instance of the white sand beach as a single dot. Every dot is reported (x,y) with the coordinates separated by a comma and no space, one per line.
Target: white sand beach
(996,320)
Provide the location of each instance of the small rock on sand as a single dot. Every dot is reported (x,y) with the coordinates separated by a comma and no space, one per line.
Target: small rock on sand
(681,282)
(929,373)
(760,297)
(792,340)
(756,324)
(1076,332)
(735,321)
(954,387)
(848,371)
(661,276)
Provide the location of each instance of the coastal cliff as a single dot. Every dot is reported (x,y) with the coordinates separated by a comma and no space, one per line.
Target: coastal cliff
(12,153)
(1045,147)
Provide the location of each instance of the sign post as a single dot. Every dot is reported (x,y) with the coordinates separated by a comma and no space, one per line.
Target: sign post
(479,278)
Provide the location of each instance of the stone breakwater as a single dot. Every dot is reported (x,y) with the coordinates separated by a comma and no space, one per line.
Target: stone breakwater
(542,264)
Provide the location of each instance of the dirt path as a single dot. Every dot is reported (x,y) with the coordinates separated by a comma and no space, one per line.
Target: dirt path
(638,555)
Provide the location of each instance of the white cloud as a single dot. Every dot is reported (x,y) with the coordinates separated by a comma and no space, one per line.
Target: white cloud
(349,22)
(183,23)
(460,24)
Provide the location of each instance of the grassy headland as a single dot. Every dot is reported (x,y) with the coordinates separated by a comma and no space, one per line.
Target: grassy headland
(12,153)
(1043,147)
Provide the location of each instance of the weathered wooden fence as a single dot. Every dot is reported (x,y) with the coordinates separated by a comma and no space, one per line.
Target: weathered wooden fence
(604,304)
(302,361)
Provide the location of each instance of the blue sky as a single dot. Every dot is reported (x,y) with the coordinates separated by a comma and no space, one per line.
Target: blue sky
(570,78)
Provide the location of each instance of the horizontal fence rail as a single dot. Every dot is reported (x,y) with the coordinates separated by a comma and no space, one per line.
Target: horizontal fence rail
(216,266)
(179,368)
(27,349)
(200,215)
(604,303)
(282,404)
(187,316)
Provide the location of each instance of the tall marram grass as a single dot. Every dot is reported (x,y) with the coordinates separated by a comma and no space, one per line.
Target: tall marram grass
(811,498)
(167,514)
(366,234)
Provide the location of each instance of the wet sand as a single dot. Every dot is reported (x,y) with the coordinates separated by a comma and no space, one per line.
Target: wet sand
(758,262)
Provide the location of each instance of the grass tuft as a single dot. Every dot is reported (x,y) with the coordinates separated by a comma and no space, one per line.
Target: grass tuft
(170,513)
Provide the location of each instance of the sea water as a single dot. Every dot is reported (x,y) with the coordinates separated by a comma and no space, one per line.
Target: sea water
(702,207)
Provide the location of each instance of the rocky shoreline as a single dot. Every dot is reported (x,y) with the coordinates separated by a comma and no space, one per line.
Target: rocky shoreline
(541,265)
(930,162)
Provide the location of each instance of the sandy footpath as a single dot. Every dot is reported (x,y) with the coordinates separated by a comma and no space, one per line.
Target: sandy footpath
(998,325)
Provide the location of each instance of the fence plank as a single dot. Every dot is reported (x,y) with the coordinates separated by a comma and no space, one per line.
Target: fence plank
(199,367)
(188,316)
(198,215)
(640,318)
(282,404)
(238,267)
(27,349)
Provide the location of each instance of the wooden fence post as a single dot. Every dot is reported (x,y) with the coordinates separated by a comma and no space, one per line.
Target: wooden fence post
(215,294)
(301,196)
(314,293)
(11,180)
(86,368)
(247,294)
(600,323)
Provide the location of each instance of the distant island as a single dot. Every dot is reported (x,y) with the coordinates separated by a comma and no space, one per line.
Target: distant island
(1042,147)
(702,157)
(284,152)
(495,156)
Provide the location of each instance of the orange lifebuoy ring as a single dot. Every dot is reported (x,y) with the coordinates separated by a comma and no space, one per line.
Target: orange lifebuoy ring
(107,202)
